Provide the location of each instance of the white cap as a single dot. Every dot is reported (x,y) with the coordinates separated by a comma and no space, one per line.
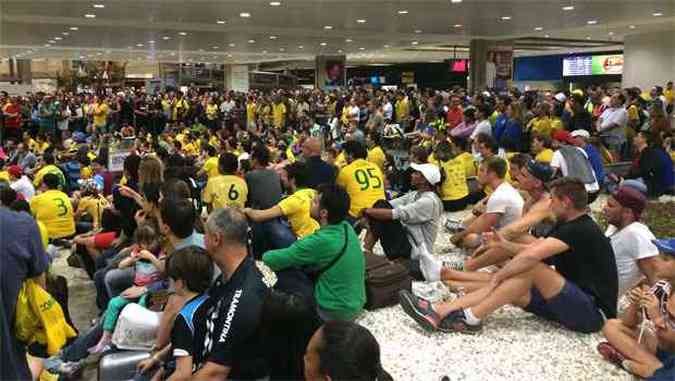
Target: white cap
(560,97)
(429,171)
(580,133)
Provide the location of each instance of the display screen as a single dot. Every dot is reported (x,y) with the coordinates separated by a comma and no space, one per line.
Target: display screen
(459,66)
(593,65)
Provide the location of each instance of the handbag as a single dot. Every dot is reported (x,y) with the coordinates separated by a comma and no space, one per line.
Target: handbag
(384,280)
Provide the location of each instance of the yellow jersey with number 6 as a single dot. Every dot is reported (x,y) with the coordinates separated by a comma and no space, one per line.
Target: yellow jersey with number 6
(364,183)
(54,209)
(225,190)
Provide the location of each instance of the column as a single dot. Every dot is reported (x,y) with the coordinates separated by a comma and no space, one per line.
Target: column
(649,59)
(236,78)
(478,50)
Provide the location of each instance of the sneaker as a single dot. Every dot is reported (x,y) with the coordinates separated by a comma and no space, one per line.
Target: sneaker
(456,322)
(67,370)
(454,226)
(419,309)
(454,264)
(610,354)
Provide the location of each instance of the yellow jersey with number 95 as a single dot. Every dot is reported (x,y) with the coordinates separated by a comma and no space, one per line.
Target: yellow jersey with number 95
(54,209)
(225,190)
(364,183)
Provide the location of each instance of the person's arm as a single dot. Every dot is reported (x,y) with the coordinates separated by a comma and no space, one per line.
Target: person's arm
(535,215)
(159,264)
(380,214)
(483,223)
(263,215)
(183,370)
(306,251)
(211,372)
(533,255)
(650,268)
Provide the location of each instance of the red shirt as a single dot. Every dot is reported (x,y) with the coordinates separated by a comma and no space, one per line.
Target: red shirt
(455,117)
(12,108)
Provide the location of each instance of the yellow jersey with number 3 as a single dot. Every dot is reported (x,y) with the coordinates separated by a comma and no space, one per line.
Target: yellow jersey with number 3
(225,190)
(54,209)
(364,183)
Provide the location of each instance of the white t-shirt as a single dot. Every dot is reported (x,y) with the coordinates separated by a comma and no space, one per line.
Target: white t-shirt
(611,116)
(505,200)
(227,106)
(630,244)
(24,187)
(388,111)
(558,161)
(483,127)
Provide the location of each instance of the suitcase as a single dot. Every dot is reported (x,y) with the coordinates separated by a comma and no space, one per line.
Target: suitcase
(120,365)
(384,279)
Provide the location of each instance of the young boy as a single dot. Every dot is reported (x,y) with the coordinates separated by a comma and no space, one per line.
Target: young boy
(190,271)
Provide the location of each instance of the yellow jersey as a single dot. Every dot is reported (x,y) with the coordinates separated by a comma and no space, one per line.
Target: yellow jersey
(454,187)
(402,110)
(364,183)
(250,113)
(93,207)
(540,126)
(556,124)
(545,156)
(279,115)
(211,111)
(670,96)
(296,209)
(100,114)
(54,209)
(377,157)
(470,164)
(225,190)
(44,234)
(190,149)
(211,167)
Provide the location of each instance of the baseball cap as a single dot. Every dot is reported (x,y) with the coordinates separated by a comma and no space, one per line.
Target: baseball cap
(562,136)
(665,245)
(635,184)
(539,170)
(15,171)
(580,133)
(631,198)
(429,171)
(560,97)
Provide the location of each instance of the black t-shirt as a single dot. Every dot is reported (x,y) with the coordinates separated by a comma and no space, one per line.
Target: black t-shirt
(189,330)
(589,263)
(233,336)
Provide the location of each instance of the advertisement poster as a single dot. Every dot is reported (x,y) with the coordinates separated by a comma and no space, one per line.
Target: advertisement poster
(499,66)
(607,64)
(330,71)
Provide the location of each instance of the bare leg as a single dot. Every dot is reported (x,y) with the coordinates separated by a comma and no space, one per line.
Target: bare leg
(489,258)
(471,276)
(471,241)
(369,241)
(465,286)
(641,362)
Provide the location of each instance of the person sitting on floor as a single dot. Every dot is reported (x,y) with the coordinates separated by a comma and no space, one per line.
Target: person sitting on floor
(503,206)
(580,293)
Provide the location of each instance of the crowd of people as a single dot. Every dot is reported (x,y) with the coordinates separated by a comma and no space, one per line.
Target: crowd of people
(248,219)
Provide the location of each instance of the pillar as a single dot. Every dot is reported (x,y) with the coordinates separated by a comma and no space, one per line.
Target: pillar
(649,59)
(236,78)
(478,50)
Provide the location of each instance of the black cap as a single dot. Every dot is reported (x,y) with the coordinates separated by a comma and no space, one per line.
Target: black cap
(541,171)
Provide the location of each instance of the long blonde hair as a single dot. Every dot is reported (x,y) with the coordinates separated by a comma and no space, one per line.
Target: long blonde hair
(151,170)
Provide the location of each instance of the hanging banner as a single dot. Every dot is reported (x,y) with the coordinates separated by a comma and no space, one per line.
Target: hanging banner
(499,66)
(330,71)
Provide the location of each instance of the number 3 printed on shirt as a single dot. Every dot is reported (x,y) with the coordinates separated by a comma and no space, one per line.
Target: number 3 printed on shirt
(63,209)
(364,177)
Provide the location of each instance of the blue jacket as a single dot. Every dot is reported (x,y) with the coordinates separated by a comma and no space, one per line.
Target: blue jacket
(596,162)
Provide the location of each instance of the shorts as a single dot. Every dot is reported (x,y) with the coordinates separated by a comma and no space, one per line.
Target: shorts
(455,205)
(104,240)
(573,308)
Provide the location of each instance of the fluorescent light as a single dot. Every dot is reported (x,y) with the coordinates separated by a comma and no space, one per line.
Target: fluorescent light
(51,41)
(232,45)
(323,44)
(568,8)
(361,21)
(348,40)
(282,49)
(592,22)
(182,34)
(506,18)
(301,47)
(47,45)
(657,14)
(229,55)
(74,28)
(58,38)
(458,25)
(90,16)
(215,47)
(245,15)
(264,51)
(275,3)
(611,33)
(414,42)
(166,38)
(339,50)
(631,26)
(418,30)
(65,34)
(99,6)
(402,12)
(139,45)
(273,37)
(547,36)
(151,42)
(251,41)
(455,1)
(328,27)
(539,28)
(588,37)
(386,46)
(362,48)
(221,22)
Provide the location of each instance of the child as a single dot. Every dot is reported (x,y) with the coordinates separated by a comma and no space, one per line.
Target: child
(190,271)
(148,265)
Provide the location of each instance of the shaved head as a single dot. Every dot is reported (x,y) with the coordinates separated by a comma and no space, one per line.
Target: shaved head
(312,147)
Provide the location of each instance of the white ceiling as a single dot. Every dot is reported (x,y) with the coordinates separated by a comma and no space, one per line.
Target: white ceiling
(300,27)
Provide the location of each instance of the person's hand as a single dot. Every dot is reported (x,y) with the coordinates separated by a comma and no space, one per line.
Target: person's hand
(147,364)
(144,254)
(496,279)
(635,295)
(133,292)
(456,238)
(650,303)
(126,191)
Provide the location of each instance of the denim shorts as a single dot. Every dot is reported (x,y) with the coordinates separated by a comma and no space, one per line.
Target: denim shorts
(573,308)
